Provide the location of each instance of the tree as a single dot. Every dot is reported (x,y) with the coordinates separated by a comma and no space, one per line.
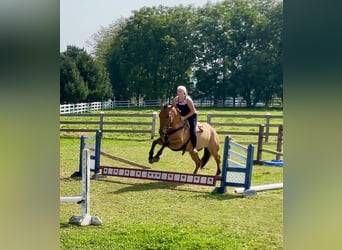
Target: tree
(256,49)
(151,53)
(211,40)
(82,77)
(72,87)
(228,49)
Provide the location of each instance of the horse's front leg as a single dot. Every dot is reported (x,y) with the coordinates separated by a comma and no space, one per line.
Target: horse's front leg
(152,159)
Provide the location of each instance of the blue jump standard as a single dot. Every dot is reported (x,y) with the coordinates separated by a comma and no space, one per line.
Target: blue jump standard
(156,175)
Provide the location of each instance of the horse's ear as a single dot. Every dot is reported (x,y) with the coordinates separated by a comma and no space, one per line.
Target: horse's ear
(164,105)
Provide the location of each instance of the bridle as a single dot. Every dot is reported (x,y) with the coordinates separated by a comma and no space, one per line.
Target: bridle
(169,130)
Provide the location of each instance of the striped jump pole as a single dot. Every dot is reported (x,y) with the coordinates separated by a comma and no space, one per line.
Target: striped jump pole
(85,218)
(156,175)
(234,173)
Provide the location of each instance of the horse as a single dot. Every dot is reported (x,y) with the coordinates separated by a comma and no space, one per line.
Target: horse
(174,134)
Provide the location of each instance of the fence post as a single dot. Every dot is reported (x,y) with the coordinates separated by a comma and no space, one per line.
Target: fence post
(208,118)
(260,140)
(279,141)
(101,120)
(268,117)
(154,119)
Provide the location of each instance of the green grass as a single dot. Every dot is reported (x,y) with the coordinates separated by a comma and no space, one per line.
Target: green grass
(140,214)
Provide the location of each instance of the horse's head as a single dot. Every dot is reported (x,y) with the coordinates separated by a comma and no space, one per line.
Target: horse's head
(169,116)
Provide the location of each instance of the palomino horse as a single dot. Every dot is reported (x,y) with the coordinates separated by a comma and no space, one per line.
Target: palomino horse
(174,134)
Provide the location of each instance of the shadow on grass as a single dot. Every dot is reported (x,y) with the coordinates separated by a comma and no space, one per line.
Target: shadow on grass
(72,225)
(221,197)
(135,187)
(69,179)
(158,185)
(64,225)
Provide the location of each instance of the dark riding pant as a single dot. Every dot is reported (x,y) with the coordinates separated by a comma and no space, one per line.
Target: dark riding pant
(193,124)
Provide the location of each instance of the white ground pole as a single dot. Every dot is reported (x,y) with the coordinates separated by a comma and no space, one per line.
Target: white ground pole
(260,188)
(85,218)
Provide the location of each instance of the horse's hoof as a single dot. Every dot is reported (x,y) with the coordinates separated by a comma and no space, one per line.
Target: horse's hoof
(153,160)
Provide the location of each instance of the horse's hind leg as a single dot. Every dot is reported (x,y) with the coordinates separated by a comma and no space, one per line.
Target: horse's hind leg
(214,151)
(218,162)
(197,160)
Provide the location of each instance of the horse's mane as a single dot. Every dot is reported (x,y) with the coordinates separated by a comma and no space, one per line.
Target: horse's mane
(169,107)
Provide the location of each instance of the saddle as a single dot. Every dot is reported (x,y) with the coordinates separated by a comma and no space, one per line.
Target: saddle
(199,129)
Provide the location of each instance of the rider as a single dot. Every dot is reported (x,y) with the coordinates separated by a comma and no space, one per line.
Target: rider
(188,112)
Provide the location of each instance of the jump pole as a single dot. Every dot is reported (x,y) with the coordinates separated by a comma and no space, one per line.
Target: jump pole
(117,158)
(261,188)
(234,174)
(157,175)
(95,147)
(85,218)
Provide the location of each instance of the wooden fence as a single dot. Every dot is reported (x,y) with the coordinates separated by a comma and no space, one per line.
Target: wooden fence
(260,149)
(95,122)
(146,123)
(251,126)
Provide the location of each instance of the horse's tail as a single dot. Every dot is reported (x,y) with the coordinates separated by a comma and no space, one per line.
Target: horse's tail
(205,157)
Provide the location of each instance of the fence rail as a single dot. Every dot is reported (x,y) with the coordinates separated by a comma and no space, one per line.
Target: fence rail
(267,122)
(102,123)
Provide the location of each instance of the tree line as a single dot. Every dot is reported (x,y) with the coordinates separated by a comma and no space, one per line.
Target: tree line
(225,50)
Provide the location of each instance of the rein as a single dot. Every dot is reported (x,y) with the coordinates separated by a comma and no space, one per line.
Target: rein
(172,131)
(176,129)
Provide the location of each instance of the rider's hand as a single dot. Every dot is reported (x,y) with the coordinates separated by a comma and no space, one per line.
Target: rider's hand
(183,118)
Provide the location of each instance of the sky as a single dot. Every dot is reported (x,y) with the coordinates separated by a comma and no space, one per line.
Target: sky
(81,19)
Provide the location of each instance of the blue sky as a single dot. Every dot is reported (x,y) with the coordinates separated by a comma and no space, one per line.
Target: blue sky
(80,19)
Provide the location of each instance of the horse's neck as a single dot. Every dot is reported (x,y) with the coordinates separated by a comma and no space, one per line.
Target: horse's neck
(177,121)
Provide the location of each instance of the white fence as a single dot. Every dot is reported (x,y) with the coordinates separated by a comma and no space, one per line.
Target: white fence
(96,106)
(84,107)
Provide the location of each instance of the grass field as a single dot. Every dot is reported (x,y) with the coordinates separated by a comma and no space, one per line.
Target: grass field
(139,214)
